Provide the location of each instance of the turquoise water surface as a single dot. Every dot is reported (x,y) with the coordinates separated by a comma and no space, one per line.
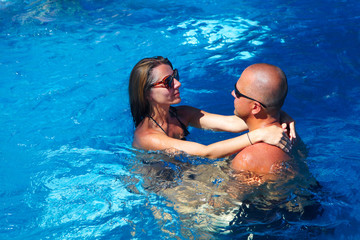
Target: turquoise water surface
(67,168)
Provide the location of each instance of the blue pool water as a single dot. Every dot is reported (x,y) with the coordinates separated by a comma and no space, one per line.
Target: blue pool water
(67,168)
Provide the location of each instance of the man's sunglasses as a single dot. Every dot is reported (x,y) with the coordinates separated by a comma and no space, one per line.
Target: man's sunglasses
(168,81)
(238,94)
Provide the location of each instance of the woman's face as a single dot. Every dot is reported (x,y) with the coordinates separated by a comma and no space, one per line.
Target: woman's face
(160,94)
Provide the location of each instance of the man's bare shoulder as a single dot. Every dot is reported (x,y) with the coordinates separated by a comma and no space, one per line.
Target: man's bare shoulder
(259,157)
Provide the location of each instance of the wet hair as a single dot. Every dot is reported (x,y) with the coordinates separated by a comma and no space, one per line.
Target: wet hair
(141,79)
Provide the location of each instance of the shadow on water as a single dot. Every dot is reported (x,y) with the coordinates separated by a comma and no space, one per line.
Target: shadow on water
(214,202)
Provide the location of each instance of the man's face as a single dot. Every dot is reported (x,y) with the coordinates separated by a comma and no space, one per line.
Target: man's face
(241,104)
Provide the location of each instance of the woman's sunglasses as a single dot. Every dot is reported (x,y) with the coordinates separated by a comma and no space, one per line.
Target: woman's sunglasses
(168,81)
(239,94)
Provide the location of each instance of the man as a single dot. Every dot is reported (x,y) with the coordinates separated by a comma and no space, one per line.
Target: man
(259,95)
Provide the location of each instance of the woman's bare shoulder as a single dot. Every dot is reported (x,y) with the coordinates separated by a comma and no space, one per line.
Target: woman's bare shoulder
(187,113)
(145,138)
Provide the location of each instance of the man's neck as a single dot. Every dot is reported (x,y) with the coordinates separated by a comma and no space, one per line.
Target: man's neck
(255,123)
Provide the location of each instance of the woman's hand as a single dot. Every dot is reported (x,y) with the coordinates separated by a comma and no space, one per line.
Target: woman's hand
(272,135)
(288,125)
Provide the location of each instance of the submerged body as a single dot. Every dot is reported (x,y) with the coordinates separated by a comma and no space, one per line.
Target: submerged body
(212,198)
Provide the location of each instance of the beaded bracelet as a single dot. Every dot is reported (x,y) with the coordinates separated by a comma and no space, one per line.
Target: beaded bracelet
(249,138)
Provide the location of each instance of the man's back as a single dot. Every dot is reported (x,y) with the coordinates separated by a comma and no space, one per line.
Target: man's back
(259,158)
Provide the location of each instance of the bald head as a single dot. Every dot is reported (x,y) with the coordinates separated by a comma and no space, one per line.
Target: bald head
(264,82)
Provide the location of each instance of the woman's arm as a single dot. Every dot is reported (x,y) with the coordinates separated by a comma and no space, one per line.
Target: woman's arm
(288,124)
(157,141)
(201,119)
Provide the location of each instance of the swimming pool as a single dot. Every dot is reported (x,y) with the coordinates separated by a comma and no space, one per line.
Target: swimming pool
(68,170)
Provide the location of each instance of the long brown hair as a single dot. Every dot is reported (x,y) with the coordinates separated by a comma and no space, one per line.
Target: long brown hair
(140,82)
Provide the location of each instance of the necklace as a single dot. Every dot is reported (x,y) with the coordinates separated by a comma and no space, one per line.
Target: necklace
(157,124)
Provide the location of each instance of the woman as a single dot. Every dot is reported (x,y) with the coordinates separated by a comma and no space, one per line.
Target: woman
(154,87)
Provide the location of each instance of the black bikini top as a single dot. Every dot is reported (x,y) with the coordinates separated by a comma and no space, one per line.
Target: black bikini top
(173,112)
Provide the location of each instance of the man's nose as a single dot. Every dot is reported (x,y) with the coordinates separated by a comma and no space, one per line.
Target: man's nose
(233,93)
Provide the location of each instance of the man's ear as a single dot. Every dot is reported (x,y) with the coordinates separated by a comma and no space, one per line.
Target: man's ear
(256,108)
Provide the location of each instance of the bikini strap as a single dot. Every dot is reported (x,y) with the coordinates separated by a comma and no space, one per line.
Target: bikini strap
(173,113)
(157,124)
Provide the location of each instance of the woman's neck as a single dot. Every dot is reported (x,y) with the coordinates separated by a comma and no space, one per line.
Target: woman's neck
(160,113)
